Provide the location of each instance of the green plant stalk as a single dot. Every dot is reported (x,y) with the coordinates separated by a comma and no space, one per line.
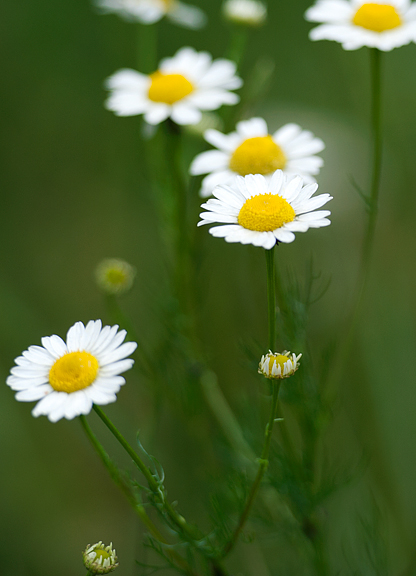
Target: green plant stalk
(147,48)
(116,476)
(271,297)
(263,465)
(238,43)
(156,488)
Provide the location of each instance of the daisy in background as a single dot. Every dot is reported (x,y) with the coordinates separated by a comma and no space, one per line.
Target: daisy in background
(253,210)
(245,12)
(69,377)
(252,150)
(180,89)
(151,11)
(384,25)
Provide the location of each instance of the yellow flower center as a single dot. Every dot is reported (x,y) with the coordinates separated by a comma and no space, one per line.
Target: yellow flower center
(115,276)
(280,360)
(265,212)
(169,88)
(101,554)
(259,155)
(377,17)
(73,371)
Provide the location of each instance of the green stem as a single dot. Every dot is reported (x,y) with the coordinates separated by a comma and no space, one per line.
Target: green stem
(147,48)
(263,464)
(238,42)
(155,486)
(118,479)
(271,297)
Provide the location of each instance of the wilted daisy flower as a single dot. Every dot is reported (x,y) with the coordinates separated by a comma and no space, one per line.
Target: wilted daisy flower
(69,377)
(252,210)
(279,365)
(384,25)
(114,276)
(245,12)
(151,11)
(252,150)
(181,87)
(100,559)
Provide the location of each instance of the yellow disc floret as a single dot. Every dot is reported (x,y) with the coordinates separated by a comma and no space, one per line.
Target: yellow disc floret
(265,212)
(73,371)
(377,17)
(169,88)
(259,155)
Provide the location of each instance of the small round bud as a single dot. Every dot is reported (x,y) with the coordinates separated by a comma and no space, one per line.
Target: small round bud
(245,12)
(100,559)
(114,276)
(279,365)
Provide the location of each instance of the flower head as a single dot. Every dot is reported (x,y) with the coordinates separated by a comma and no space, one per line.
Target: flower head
(279,364)
(69,377)
(114,276)
(100,559)
(385,25)
(252,210)
(181,87)
(151,11)
(245,12)
(252,150)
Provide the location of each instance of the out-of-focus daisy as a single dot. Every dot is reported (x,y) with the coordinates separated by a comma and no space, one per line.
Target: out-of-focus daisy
(252,150)
(245,12)
(384,25)
(151,11)
(252,210)
(276,365)
(114,276)
(181,87)
(100,559)
(69,377)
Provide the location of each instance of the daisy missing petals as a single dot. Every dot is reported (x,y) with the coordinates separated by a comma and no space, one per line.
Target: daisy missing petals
(252,210)
(68,377)
(275,365)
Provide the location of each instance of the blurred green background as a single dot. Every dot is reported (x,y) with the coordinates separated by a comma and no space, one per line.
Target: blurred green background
(74,191)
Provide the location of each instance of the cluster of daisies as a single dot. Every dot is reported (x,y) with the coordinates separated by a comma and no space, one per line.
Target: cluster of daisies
(262,182)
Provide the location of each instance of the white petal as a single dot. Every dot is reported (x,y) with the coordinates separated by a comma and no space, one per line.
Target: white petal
(185,114)
(157,113)
(187,16)
(226,143)
(74,336)
(54,345)
(34,393)
(252,128)
(208,162)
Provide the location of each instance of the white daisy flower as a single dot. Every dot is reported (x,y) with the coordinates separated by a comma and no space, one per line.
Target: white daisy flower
(69,377)
(252,150)
(245,12)
(252,210)
(181,87)
(100,559)
(151,11)
(384,25)
(276,365)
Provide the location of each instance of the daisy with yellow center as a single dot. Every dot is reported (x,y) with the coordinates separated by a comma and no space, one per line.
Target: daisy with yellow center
(151,11)
(100,559)
(252,150)
(253,210)
(384,25)
(181,88)
(275,365)
(69,377)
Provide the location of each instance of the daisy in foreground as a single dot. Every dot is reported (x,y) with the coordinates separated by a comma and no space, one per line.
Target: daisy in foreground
(255,211)
(279,365)
(384,25)
(252,150)
(151,11)
(181,87)
(69,377)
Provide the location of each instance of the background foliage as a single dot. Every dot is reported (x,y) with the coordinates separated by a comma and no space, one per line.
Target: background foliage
(74,191)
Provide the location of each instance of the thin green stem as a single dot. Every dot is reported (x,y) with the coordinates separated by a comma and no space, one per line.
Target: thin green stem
(120,481)
(263,465)
(156,487)
(238,42)
(271,297)
(147,48)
